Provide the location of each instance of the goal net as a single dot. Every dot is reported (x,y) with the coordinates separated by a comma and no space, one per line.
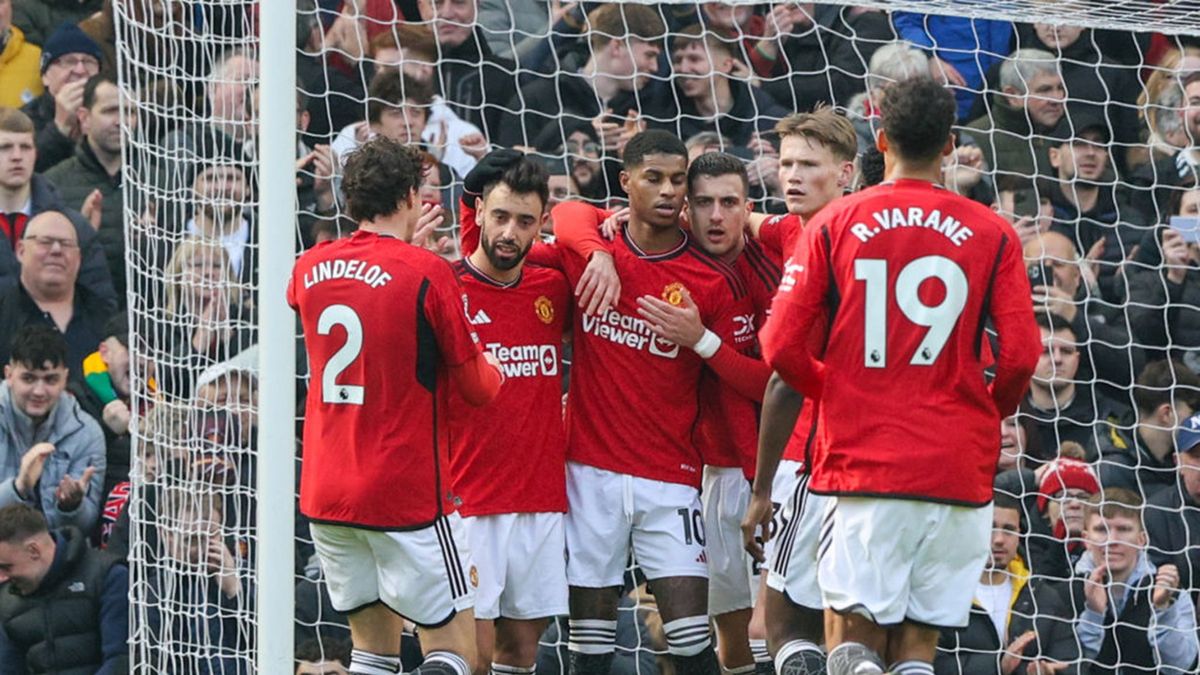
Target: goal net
(1079,121)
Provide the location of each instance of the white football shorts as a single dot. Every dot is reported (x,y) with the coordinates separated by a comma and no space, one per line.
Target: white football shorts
(731,582)
(521,558)
(782,488)
(893,560)
(793,570)
(610,513)
(424,575)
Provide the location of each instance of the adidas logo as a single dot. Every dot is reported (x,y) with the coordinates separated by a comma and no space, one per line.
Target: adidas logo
(480,318)
(702,558)
(77,587)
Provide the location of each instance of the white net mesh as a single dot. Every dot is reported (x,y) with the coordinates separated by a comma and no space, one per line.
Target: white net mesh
(480,74)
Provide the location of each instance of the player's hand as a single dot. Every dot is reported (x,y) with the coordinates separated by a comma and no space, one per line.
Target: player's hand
(93,209)
(679,324)
(32,463)
(1056,300)
(1014,652)
(757,520)
(1166,587)
(947,72)
(70,492)
(116,417)
(489,169)
(66,104)
(1095,589)
(432,216)
(599,286)
(613,224)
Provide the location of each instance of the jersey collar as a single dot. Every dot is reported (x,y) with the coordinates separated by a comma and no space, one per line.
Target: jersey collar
(655,257)
(482,276)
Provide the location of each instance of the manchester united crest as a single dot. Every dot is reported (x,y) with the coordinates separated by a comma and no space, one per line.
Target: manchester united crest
(673,293)
(474,576)
(544,309)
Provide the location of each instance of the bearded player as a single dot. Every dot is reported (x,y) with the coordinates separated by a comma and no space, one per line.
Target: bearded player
(385,333)
(903,278)
(509,457)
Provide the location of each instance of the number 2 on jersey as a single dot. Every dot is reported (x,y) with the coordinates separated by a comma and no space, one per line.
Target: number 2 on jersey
(331,391)
(940,319)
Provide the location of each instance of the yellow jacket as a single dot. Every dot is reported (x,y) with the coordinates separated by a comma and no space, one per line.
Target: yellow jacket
(20,70)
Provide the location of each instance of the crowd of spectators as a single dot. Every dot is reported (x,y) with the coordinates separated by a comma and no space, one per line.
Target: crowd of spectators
(139,198)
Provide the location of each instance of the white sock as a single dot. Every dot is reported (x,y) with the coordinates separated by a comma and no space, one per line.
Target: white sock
(366,663)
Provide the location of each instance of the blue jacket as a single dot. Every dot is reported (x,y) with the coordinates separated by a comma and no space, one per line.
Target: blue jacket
(970,45)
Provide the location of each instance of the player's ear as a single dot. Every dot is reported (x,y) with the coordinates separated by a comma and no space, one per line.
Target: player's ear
(948,149)
(1055,157)
(624,180)
(845,175)
(881,141)
(478,206)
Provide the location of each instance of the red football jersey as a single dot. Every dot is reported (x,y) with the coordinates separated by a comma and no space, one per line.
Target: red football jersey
(382,322)
(633,397)
(778,235)
(728,429)
(908,273)
(510,456)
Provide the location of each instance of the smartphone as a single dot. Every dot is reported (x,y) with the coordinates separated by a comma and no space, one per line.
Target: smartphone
(1026,204)
(1188,226)
(1040,274)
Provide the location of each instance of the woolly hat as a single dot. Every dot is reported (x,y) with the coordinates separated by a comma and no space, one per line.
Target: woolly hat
(1066,474)
(68,39)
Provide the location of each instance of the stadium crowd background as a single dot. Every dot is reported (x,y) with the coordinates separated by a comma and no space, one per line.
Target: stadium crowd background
(1087,140)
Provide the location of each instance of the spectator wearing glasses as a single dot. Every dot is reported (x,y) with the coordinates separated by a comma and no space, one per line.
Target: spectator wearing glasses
(48,290)
(24,195)
(69,58)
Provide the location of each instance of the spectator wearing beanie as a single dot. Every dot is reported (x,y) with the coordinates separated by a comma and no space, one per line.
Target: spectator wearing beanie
(1064,488)
(1172,516)
(69,59)
(19,61)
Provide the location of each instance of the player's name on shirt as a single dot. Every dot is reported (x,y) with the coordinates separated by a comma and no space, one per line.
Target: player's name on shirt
(628,331)
(358,270)
(525,360)
(914,216)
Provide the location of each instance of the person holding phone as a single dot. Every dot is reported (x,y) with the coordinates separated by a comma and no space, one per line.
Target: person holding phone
(1164,287)
(1063,283)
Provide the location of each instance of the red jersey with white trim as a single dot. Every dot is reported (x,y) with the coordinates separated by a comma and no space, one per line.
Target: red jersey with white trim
(509,456)
(728,429)
(907,274)
(633,399)
(383,320)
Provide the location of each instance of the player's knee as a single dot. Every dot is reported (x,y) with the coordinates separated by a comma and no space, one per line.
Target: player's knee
(445,663)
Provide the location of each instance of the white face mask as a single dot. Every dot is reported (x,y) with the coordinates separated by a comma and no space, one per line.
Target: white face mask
(1188,226)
